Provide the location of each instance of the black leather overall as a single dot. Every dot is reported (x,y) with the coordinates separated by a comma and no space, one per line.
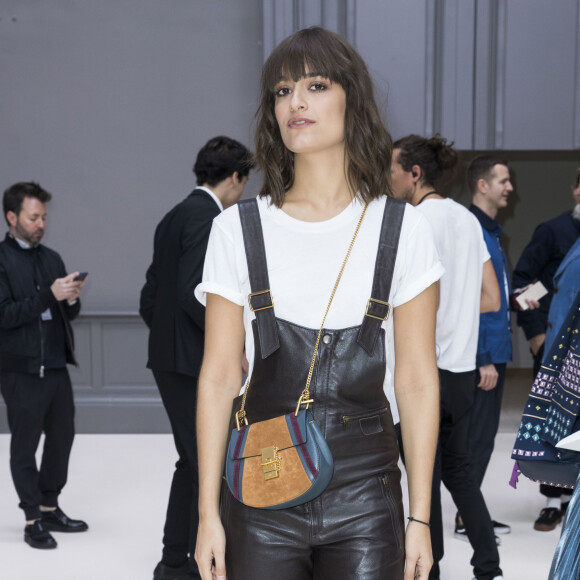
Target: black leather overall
(355,528)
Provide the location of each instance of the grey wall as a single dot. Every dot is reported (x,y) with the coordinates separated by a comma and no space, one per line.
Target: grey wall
(106,104)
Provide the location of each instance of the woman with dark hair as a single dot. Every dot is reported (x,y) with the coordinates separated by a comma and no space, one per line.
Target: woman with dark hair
(325,156)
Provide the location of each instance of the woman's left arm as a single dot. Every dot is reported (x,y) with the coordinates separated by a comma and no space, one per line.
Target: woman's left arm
(417,392)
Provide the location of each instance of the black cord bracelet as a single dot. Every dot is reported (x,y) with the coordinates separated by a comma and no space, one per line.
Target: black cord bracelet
(412,519)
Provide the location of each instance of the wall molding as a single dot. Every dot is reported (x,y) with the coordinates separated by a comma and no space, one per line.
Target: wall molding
(500,71)
(283,18)
(114,392)
(576,120)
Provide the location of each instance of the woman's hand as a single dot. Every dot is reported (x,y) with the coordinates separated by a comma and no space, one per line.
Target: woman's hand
(418,555)
(210,549)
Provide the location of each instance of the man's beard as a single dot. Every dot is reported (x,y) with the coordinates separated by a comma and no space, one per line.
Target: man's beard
(28,237)
(576,212)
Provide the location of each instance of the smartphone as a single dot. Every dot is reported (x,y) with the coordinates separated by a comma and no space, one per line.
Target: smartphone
(534,292)
(80,277)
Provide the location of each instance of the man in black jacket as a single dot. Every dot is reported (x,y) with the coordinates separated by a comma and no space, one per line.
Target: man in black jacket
(37,301)
(177,321)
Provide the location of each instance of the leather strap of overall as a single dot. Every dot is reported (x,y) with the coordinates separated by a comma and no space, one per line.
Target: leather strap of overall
(258,273)
(384,268)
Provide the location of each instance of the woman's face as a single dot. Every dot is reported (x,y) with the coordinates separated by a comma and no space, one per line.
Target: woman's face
(310,113)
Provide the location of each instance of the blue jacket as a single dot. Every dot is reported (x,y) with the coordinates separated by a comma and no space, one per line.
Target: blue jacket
(539,261)
(494,344)
(566,288)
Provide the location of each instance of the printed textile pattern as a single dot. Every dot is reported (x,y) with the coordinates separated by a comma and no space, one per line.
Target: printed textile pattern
(553,404)
(552,407)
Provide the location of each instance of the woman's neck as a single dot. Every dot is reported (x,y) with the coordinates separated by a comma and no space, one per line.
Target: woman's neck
(320,190)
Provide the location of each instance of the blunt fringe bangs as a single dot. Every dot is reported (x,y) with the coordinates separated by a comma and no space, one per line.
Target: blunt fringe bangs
(368,145)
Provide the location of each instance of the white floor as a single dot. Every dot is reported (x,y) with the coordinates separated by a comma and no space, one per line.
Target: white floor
(119,484)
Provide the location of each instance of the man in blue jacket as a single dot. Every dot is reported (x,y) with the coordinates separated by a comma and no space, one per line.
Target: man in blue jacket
(488,179)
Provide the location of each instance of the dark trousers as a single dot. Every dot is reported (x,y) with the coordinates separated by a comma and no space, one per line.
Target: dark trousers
(35,405)
(452,466)
(485,423)
(179,393)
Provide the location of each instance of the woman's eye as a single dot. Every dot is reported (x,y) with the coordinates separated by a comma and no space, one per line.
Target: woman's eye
(317,87)
(282,92)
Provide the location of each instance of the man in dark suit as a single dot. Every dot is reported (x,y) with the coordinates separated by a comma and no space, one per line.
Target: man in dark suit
(177,322)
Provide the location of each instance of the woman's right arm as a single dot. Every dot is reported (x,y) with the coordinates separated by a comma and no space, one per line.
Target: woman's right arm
(219,383)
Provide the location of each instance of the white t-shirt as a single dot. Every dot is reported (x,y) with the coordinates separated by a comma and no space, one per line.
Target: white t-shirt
(304,259)
(462,251)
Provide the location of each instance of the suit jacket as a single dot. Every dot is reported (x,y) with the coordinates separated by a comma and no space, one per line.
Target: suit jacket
(539,261)
(175,318)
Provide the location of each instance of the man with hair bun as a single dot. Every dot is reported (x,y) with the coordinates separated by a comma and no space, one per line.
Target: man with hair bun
(176,321)
(469,286)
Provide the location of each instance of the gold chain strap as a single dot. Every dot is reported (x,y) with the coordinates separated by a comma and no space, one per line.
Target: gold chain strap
(305,396)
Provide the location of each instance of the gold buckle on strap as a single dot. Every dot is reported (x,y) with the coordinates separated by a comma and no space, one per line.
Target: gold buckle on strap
(378,302)
(250,296)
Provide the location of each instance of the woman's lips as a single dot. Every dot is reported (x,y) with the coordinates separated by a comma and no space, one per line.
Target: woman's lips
(298,122)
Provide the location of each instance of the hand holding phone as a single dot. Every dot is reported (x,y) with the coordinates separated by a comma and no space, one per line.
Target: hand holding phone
(532,292)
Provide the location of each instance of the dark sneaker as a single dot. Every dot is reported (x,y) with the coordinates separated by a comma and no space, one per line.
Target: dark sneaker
(36,536)
(548,519)
(500,528)
(461,534)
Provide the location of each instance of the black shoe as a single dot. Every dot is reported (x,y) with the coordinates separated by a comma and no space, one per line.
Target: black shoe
(500,528)
(548,519)
(461,533)
(164,572)
(57,521)
(36,536)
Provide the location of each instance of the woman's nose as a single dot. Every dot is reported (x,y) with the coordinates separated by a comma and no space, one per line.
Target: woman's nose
(297,101)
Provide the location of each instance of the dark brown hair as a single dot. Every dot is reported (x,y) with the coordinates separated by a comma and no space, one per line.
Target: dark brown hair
(15,194)
(481,168)
(219,158)
(436,158)
(368,145)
